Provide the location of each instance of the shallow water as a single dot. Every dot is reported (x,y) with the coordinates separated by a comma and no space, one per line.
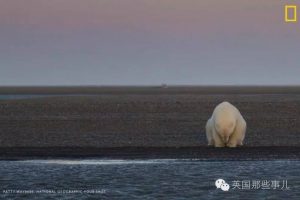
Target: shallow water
(145,179)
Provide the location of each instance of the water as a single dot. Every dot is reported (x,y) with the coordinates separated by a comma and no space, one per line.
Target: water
(145,179)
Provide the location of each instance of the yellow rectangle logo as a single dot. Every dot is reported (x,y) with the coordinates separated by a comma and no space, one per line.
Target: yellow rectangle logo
(293,9)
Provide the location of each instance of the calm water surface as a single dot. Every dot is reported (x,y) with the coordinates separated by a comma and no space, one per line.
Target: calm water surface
(146,179)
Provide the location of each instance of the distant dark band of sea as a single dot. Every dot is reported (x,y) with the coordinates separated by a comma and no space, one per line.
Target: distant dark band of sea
(30,96)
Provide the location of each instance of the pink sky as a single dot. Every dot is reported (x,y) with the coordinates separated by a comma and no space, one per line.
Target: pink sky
(144,36)
(156,15)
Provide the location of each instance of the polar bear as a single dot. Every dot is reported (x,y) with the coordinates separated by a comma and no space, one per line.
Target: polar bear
(226,126)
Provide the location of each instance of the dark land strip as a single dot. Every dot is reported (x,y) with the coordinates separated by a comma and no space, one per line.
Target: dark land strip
(145,122)
(199,153)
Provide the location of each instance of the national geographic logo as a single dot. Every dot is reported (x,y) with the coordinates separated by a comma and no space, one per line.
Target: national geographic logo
(290,13)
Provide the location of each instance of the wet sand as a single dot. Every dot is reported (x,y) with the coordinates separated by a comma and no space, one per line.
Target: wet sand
(92,121)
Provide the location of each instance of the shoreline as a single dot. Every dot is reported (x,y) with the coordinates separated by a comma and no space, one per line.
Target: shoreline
(199,153)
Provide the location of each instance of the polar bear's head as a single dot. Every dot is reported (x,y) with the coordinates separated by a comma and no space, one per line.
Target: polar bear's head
(225,128)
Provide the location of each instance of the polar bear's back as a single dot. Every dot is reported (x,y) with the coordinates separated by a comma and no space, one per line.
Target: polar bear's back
(225,116)
(225,110)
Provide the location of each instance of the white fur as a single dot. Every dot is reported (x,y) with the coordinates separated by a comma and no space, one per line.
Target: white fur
(226,127)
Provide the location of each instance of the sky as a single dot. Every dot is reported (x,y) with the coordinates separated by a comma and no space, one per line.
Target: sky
(148,42)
